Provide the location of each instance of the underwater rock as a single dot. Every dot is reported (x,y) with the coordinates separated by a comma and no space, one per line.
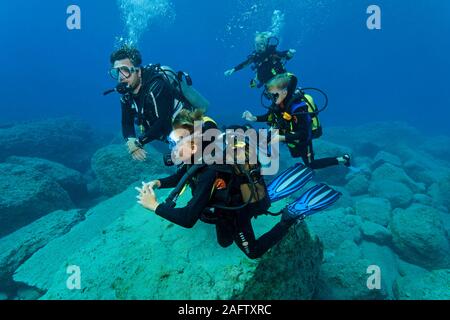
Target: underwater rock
(28,294)
(419,236)
(358,185)
(438,147)
(383,157)
(70,180)
(344,276)
(444,191)
(376,233)
(377,210)
(142,256)
(409,269)
(17,247)
(65,140)
(399,195)
(432,285)
(116,170)
(423,199)
(390,172)
(38,270)
(335,226)
(369,139)
(388,262)
(290,271)
(26,195)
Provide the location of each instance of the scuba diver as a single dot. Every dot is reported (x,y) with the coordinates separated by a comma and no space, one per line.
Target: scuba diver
(152,95)
(295,115)
(230,196)
(266,59)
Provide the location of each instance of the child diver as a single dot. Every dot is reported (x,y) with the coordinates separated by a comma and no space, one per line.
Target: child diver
(295,115)
(266,59)
(228,196)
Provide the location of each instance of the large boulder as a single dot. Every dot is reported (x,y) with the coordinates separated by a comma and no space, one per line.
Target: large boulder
(427,286)
(392,173)
(142,256)
(420,237)
(370,139)
(388,262)
(27,194)
(438,147)
(444,191)
(70,180)
(115,170)
(335,226)
(358,185)
(66,140)
(375,233)
(344,276)
(385,157)
(377,210)
(17,247)
(36,271)
(399,195)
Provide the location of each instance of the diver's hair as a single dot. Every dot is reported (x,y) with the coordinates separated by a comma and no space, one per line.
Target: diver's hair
(186,119)
(127,52)
(283,81)
(263,36)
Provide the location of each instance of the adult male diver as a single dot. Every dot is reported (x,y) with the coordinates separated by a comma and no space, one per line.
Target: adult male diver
(152,95)
(267,61)
(231,195)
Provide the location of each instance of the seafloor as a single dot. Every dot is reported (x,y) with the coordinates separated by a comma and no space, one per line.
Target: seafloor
(67,199)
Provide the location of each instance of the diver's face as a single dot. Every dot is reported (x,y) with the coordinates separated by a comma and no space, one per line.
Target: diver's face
(132,79)
(279,95)
(182,145)
(260,45)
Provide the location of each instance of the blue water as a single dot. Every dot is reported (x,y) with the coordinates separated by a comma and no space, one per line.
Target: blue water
(399,72)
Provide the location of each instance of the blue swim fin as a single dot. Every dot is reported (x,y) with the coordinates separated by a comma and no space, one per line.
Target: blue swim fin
(315,199)
(290,181)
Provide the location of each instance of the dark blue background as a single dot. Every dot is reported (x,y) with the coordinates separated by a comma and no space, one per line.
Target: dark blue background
(398,73)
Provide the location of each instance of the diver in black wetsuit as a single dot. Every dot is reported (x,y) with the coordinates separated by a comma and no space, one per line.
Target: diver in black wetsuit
(151,97)
(266,60)
(221,188)
(293,114)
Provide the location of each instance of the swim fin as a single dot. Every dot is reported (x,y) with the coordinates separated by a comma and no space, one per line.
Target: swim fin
(290,181)
(315,199)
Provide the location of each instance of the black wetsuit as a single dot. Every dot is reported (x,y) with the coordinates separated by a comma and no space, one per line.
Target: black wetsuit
(267,64)
(231,225)
(151,109)
(298,132)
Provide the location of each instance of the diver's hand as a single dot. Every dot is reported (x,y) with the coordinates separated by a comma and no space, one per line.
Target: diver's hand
(132,145)
(147,197)
(229,72)
(139,155)
(277,138)
(290,54)
(247,115)
(155,184)
(136,151)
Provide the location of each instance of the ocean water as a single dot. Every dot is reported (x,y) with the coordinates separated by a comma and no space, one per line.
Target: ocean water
(388,107)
